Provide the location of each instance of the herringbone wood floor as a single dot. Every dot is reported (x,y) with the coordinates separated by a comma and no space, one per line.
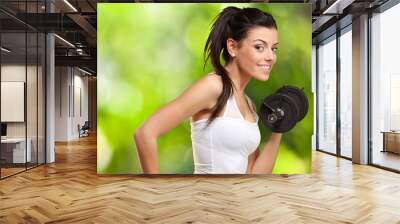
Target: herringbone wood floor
(70,191)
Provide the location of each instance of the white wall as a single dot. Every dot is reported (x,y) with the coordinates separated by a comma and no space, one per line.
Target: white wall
(81,101)
(12,101)
(33,126)
(61,103)
(13,73)
(71,94)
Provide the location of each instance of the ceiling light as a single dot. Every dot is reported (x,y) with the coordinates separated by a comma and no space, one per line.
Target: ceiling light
(71,6)
(5,49)
(64,40)
(337,7)
(329,9)
(84,71)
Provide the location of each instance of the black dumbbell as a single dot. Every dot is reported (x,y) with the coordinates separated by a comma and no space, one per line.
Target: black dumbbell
(282,110)
(299,97)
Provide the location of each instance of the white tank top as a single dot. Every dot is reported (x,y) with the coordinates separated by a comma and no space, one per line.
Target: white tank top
(224,146)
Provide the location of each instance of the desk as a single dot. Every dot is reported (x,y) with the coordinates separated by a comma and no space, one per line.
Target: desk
(16,147)
(391,141)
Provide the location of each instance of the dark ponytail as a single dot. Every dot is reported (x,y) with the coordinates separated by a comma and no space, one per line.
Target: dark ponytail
(233,23)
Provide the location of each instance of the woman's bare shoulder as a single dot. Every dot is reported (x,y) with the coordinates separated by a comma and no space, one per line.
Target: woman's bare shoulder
(205,91)
(211,83)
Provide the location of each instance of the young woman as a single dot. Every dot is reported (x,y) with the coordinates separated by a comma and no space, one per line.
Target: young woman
(224,122)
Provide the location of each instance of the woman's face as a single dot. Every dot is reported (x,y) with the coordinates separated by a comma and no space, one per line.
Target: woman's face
(256,54)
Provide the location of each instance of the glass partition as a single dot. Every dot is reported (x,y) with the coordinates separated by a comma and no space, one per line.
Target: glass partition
(22,87)
(32,95)
(14,154)
(41,86)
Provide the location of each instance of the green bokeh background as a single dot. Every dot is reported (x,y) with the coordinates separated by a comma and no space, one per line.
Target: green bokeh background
(149,53)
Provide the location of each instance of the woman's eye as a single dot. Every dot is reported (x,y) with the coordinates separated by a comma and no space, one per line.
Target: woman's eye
(275,49)
(259,48)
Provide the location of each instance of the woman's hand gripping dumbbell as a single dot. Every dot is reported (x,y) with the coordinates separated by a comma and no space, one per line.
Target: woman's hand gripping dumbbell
(282,110)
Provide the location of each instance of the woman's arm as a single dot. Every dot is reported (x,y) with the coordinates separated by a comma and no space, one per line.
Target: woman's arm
(252,158)
(263,162)
(200,96)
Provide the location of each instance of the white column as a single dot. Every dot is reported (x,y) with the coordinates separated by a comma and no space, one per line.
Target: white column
(360,90)
(50,92)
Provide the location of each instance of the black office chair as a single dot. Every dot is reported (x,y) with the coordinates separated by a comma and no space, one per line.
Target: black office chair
(84,130)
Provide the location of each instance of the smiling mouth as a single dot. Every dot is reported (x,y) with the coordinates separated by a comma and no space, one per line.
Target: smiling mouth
(265,67)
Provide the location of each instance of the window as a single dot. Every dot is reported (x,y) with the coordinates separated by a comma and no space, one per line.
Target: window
(346,92)
(385,89)
(327,95)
